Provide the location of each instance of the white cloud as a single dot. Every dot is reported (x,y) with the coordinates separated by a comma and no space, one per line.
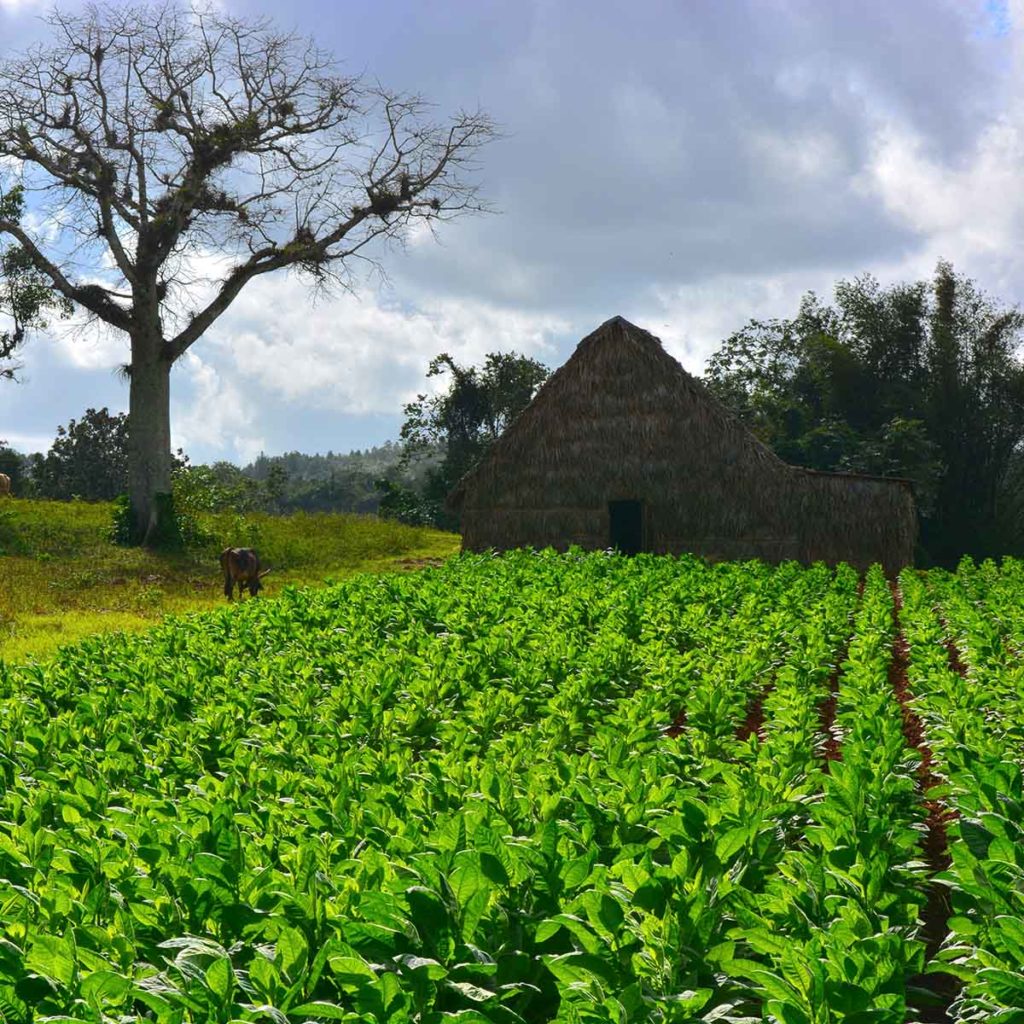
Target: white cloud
(356,352)
(217,413)
(88,346)
(694,319)
(16,6)
(976,207)
(805,154)
(26,442)
(969,210)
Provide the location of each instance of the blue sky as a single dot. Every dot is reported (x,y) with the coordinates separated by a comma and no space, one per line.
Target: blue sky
(686,165)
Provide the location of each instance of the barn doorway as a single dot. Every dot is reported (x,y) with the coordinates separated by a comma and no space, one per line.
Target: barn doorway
(626,526)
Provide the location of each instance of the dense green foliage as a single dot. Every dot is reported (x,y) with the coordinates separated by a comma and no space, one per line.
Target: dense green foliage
(13,464)
(451,432)
(88,459)
(515,788)
(978,732)
(916,380)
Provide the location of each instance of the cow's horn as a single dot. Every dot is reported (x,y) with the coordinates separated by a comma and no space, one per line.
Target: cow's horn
(264,573)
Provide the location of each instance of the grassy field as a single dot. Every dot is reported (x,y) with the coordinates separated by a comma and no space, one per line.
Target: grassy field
(61,579)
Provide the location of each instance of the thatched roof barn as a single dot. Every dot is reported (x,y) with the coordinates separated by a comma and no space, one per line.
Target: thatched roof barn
(623,448)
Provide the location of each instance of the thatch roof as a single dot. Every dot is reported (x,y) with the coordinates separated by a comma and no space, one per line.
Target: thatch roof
(623,419)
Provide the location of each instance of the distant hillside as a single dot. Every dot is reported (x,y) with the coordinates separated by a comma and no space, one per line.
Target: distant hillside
(293,482)
(335,481)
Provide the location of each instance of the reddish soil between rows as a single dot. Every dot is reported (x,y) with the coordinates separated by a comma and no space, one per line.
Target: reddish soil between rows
(955,661)
(938,815)
(833,748)
(942,989)
(753,721)
(935,845)
(677,726)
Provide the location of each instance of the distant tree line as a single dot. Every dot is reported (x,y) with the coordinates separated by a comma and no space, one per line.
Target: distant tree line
(89,460)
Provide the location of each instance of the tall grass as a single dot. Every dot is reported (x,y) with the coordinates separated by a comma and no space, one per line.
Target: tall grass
(62,578)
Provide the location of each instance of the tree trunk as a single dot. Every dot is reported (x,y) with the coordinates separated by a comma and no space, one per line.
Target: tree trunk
(149,441)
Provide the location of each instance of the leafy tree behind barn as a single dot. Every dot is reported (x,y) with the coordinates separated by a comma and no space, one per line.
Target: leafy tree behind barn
(453,430)
(921,380)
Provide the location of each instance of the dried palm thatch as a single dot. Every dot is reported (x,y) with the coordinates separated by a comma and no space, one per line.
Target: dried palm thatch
(623,421)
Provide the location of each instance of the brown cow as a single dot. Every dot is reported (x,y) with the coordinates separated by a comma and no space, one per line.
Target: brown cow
(5,485)
(241,566)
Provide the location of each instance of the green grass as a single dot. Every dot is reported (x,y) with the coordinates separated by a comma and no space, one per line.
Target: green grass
(61,579)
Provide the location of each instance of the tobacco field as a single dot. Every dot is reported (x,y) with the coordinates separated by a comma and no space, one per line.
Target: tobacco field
(528,788)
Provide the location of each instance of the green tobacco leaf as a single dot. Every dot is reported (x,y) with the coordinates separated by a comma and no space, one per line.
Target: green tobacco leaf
(575,926)
(472,992)
(494,869)
(291,952)
(265,976)
(1002,849)
(1006,986)
(579,969)
(787,1013)
(422,965)
(603,912)
(731,842)
(1009,932)
(221,978)
(1007,1017)
(427,909)
(52,957)
(845,996)
(105,988)
(467,878)
(351,971)
(763,941)
(321,1010)
(976,837)
(652,896)
(576,872)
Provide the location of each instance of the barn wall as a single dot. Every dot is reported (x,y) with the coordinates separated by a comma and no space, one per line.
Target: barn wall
(502,529)
(816,517)
(588,528)
(857,520)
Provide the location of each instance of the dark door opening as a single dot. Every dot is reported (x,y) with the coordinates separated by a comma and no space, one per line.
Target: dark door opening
(626,526)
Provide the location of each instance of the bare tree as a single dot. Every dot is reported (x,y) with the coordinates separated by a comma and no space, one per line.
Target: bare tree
(156,137)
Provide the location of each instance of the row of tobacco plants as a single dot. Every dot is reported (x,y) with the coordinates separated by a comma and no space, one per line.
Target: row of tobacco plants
(525,788)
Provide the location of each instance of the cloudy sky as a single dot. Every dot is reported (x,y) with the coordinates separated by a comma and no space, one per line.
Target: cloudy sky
(687,165)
